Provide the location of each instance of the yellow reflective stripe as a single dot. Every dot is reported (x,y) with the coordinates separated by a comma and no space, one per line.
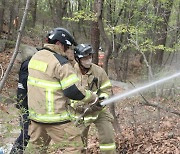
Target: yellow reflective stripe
(89,118)
(43,83)
(50,88)
(73,103)
(106,84)
(104,95)
(38,65)
(86,119)
(88,96)
(49,118)
(107,147)
(49,101)
(69,81)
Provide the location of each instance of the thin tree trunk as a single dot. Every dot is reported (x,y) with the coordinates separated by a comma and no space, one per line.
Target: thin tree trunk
(11,9)
(61,10)
(2,9)
(34,10)
(162,28)
(2,82)
(52,13)
(95,36)
(108,49)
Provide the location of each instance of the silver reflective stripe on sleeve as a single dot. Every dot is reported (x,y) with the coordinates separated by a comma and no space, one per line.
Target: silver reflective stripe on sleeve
(20,86)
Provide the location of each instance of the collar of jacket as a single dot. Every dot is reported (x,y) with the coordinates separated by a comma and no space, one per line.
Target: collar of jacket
(55,48)
(76,66)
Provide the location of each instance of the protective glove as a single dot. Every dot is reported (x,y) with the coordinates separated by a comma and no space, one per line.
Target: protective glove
(85,110)
(97,105)
(90,108)
(80,109)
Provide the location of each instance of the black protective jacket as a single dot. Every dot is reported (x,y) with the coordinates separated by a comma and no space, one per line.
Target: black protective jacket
(22,86)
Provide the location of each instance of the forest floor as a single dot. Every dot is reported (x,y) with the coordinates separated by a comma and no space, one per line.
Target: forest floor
(142,129)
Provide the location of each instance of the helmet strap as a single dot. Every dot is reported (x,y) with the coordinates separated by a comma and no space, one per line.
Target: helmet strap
(82,68)
(66,47)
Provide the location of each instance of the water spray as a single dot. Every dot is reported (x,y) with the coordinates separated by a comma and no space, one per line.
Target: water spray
(131,92)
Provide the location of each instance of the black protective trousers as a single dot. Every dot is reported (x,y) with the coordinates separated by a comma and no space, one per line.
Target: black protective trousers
(23,139)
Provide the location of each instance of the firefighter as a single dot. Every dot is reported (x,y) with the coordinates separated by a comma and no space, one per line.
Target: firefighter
(94,78)
(22,140)
(51,83)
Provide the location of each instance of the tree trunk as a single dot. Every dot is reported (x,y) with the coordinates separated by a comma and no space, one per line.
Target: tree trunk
(108,52)
(61,10)
(95,40)
(108,49)
(163,11)
(58,10)
(51,5)
(116,56)
(95,36)
(34,10)
(2,9)
(11,17)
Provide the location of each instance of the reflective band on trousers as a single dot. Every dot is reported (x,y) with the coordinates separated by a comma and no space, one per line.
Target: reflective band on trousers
(107,147)
(49,118)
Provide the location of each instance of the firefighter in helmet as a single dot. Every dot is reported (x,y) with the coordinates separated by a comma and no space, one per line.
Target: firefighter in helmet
(94,78)
(51,83)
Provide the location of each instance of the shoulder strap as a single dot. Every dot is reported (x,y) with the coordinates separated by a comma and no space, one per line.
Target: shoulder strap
(95,81)
(63,60)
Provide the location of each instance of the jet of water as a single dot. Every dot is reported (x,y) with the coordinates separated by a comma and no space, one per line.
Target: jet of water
(131,92)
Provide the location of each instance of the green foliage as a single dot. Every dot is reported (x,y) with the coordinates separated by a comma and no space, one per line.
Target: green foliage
(81,15)
(43,6)
(147,45)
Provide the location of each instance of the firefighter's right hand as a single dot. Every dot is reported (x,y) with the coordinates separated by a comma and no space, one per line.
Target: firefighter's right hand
(91,107)
(80,109)
(96,106)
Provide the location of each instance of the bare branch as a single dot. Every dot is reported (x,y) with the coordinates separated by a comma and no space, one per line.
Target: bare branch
(145,59)
(2,71)
(162,108)
(147,103)
(2,82)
